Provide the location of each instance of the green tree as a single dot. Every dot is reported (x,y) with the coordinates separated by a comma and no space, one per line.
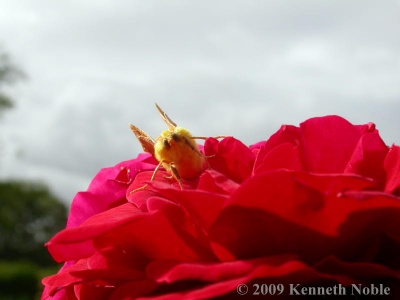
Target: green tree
(29,216)
(9,74)
(29,213)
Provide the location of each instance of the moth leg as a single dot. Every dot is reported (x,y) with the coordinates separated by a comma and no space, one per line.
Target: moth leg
(175,174)
(138,189)
(208,164)
(206,137)
(151,179)
(156,170)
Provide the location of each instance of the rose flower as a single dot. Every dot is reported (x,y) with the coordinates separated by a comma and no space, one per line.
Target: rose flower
(316,205)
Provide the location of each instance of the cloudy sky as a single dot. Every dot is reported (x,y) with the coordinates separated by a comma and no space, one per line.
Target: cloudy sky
(225,67)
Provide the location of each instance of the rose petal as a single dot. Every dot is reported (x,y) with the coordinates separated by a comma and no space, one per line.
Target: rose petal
(77,242)
(230,157)
(368,157)
(50,294)
(315,204)
(88,291)
(127,227)
(133,290)
(106,268)
(64,278)
(370,233)
(202,207)
(285,134)
(392,168)
(271,270)
(334,183)
(283,156)
(274,213)
(143,187)
(107,189)
(172,271)
(359,271)
(328,143)
(214,182)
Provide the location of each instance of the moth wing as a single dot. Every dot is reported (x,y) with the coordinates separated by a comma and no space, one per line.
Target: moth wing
(171,124)
(144,139)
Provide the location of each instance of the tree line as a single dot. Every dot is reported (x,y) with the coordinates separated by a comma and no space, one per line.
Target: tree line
(30,214)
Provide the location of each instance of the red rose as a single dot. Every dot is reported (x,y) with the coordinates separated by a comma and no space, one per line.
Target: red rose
(315,205)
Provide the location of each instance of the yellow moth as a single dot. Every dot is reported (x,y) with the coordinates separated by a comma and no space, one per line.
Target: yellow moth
(175,150)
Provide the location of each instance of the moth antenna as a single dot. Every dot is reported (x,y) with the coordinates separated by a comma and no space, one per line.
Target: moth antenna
(206,137)
(171,124)
(199,153)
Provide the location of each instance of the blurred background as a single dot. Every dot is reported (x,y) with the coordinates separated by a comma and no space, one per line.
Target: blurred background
(73,74)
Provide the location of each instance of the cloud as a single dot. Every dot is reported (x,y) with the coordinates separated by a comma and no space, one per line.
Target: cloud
(228,67)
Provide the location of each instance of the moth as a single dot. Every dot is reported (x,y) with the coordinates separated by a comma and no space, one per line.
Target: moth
(175,150)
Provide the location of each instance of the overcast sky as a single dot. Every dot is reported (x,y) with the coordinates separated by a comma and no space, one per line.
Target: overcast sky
(226,67)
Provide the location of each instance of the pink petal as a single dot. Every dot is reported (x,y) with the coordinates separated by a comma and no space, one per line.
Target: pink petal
(107,189)
(368,157)
(77,242)
(172,271)
(133,290)
(202,207)
(328,144)
(392,168)
(274,213)
(230,157)
(270,270)
(359,271)
(283,156)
